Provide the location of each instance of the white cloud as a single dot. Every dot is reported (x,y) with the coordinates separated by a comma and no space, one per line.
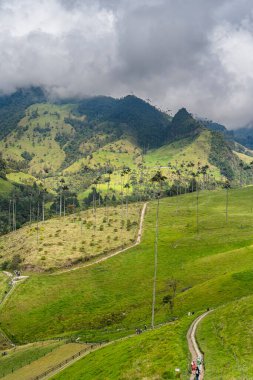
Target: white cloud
(194,53)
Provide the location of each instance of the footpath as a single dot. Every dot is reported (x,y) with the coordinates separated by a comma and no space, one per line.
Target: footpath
(193,345)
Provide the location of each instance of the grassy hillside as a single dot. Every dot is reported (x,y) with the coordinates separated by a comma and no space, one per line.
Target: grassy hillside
(34,139)
(63,242)
(4,281)
(152,355)
(118,292)
(21,356)
(5,188)
(183,151)
(51,357)
(12,107)
(226,338)
(82,142)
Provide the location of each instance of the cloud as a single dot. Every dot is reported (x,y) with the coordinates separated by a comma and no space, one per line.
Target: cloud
(194,53)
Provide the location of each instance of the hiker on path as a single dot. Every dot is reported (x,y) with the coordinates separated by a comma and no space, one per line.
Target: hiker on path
(199,363)
(197,373)
(193,366)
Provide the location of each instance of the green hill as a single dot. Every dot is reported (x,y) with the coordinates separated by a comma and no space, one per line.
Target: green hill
(70,240)
(62,151)
(226,337)
(119,290)
(110,299)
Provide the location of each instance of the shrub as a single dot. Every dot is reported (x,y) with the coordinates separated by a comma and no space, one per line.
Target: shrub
(5,265)
(15,262)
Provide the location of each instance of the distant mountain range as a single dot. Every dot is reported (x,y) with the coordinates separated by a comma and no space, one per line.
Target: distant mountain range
(91,142)
(46,139)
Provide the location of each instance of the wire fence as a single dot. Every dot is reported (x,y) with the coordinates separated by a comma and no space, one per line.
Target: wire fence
(64,362)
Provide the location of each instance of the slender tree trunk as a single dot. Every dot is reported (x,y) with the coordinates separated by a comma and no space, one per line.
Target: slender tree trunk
(10,215)
(30,210)
(226,205)
(94,211)
(14,215)
(197,207)
(60,203)
(38,213)
(155,267)
(43,208)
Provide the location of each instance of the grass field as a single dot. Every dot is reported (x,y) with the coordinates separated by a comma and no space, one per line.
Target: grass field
(21,356)
(151,355)
(5,188)
(4,280)
(23,178)
(111,298)
(185,150)
(42,359)
(226,337)
(63,242)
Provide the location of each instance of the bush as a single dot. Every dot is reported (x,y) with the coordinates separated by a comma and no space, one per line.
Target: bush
(5,265)
(15,262)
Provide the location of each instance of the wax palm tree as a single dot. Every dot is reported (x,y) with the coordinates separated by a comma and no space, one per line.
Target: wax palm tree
(159,179)
(227,186)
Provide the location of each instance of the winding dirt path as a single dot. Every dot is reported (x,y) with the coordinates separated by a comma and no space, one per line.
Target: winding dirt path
(193,345)
(100,260)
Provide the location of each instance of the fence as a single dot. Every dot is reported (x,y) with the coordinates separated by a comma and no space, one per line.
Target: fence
(64,362)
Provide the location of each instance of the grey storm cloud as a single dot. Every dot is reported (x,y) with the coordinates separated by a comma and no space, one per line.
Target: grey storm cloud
(192,53)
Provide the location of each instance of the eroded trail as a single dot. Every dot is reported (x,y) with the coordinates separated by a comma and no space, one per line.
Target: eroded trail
(193,345)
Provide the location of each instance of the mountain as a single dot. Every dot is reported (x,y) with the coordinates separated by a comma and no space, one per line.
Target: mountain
(183,125)
(12,107)
(216,127)
(244,135)
(90,142)
(144,121)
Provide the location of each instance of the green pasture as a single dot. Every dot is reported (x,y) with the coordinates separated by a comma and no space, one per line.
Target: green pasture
(5,188)
(21,356)
(226,336)
(113,297)
(151,355)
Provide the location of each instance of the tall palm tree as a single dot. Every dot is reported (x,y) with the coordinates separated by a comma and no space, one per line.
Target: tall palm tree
(127,187)
(159,179)
(227,186)
(108,181)
(62,181)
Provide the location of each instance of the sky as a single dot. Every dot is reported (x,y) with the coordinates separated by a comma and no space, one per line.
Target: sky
(196,54)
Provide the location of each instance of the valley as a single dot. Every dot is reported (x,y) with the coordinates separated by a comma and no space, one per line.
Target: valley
(95,196)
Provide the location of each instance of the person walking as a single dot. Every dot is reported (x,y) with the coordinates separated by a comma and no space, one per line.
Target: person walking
(193,367)
(197,373)
(199,363)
